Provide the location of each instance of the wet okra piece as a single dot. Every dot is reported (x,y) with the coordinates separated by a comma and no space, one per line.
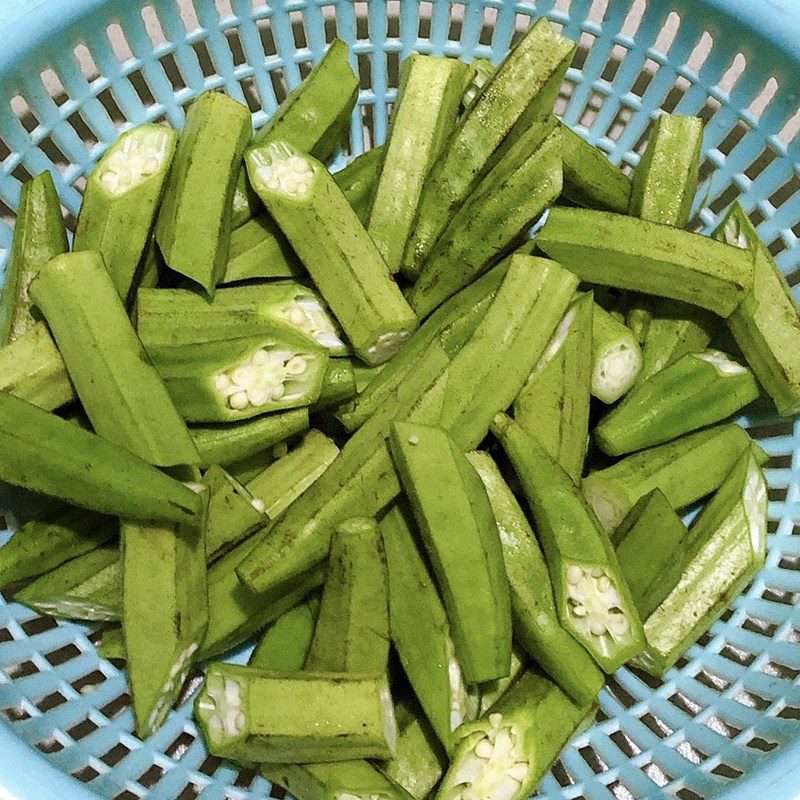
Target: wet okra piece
(121,393)
(341,780)
(726,546)
(477,76)
(284,645)
(460,535)
(39,236)
(592,598)
(425,113)
(121,201)
(295,717)
(167,562)
(335,248)
(629,253)
(194,223)
(553,406)
(698,390)
(521,91)
(616,357)
(338,385)
(685,469)
(535,620)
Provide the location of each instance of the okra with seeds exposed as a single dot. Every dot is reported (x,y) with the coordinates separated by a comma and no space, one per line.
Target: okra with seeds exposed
(616,357)
(284,645)
(480,71)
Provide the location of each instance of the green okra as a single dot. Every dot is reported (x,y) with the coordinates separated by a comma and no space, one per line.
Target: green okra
(52,456)
(39,236)
(616,357)
(120,391)
(295,717)
(33,370)
(535,621)
(553,406)
(501,209)
(479,73)
(359,179)
(51,539)
(686,470)
(698,390)
(726,546)
(121,202)
(592,598)
(335,248)
(245,205)
(167,562)
(629,253)
(638,316)
(590,179)
(425,113)
(521,91)
(460,535)
(338,385)
(112,644)
(194,225)
(766,325)
(284,645)
(489,693)
(151,269)
(364,375)
(665,181)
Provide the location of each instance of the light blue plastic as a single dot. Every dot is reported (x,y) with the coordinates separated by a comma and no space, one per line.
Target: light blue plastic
(726,722)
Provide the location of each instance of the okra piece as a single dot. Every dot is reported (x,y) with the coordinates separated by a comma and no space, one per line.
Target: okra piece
(460,535)
(295,717)
(246,205)
(521,91)
(359,180)
(616,357)
(766,325)
(52,456)
(535,621)
(592,598)
(479,74)
(698,390)
(120,391)
(51,539)
(489,693)
(284,645)
(32,369)
(639,315)
(39,236)
(553,406)
(364,375)
(686,470)
(629,253)
(338,385)
(504,756)
(112,645)
(167,562)
(665,181)
(194,224)
(590,179)
(726,546)
(335,248)
(121,202)
(428,102)
(501,209)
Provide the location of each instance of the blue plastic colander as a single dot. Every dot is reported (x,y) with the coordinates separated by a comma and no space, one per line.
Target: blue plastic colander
(75,73)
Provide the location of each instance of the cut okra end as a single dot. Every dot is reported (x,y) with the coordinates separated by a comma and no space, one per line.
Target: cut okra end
(307,314)
(279,168)
(724,364)
(595,608)
(615,371)
(220,709)
(138,156)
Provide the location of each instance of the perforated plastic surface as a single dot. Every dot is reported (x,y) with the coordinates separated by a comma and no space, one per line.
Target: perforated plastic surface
(75,73)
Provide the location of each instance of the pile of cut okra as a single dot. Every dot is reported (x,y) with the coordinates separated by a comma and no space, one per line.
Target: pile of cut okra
(442,570)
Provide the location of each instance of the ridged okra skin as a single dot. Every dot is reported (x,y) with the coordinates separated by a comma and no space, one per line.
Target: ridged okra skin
(629,253)
(121,393)
(489,693)
(427,105)
(533,609)
(284,645)
(295,717)
(338,385)
(553,406)
(359,180)
(194,224)
(121,201)
(335,248)
(616,357)
(698,390)
(39,236)
(686,470)
(725,546)
(592,598)
(506,754)
(460,535)
(478,75)
(522,91)
(166,562)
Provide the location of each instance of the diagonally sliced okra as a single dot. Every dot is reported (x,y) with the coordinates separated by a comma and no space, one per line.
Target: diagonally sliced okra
(616,357)
(284,645)
(489,693)
(533,610)
(194,224)
(592,599)
(338,385)
(121,392)
(425,113)
(629,253)
(480,71)
(335,248)
(121,200)
(39,235)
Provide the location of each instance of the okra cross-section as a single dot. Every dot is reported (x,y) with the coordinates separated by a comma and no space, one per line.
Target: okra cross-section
(299,717)
(616,357)
(336,249)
